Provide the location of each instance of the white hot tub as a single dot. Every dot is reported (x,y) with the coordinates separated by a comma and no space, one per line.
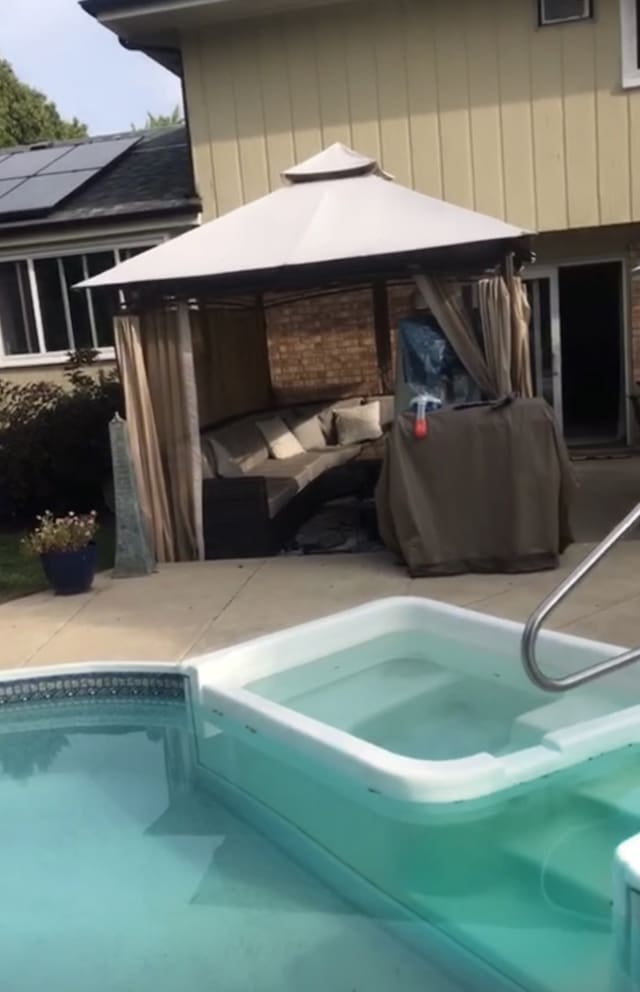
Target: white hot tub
(416,701)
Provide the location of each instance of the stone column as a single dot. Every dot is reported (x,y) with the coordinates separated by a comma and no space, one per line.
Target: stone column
(134,556)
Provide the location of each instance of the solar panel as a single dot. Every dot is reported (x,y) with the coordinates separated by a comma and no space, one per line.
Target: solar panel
(6,185)
(37,180)
(19,165)
(39,193)
(96,155)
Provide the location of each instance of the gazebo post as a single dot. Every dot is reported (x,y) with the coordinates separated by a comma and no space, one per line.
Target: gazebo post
(382,332)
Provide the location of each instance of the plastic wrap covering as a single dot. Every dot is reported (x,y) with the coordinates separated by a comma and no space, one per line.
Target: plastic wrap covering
(428,365)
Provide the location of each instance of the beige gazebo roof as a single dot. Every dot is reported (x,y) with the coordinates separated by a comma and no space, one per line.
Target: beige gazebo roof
(337,205)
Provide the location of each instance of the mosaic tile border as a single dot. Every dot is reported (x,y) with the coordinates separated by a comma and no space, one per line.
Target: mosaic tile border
(103,685)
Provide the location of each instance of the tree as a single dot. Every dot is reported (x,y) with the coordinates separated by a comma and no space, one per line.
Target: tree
(27,116)
(161,120)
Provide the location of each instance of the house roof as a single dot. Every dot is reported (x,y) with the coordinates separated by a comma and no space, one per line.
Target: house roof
(154,26)
(153,177)
(107,6)
(336,207)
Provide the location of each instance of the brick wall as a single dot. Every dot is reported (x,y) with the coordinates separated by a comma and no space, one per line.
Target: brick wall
(324,346)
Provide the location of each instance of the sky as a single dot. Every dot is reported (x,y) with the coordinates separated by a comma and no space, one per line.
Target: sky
(80,65)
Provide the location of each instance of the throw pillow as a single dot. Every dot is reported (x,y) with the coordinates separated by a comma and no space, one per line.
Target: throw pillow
(358,423)
(280,441)
(226,467)
(327,417)
(309,433)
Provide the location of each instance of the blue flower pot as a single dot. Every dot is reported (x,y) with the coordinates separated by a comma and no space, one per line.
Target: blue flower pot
(70,572)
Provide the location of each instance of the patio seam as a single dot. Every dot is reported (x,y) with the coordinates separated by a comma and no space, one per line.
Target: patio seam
(582,616)
(94,594)
(210,622)
(601,609)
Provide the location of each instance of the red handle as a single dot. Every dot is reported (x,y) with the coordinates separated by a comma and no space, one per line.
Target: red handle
(420,428)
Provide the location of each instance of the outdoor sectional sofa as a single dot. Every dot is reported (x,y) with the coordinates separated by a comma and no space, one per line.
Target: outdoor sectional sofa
(253,504)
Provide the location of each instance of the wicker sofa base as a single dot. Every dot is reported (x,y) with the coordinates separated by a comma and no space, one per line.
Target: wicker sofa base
(236,511)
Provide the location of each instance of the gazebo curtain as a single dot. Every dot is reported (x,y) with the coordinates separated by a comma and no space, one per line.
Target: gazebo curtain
(156,365)
(505,315)
(503,364)
(444,299)
(143,437)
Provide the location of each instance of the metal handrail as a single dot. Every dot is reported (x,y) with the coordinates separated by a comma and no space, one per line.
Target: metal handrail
(548,605)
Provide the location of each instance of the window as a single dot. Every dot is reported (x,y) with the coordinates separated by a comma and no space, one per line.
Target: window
(558,11)
(630,38)
(16,310)
(43,318)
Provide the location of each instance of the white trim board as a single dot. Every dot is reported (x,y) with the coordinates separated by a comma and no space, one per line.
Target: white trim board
(629,43)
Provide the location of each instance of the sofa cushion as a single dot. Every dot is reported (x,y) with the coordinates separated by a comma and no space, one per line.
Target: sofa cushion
(282,444)
(358,424)
(219,458)
(308,430)
(207,459)
(279,493)
(326,416)
(387,409)
(302,469)
(336,455)
(243,442)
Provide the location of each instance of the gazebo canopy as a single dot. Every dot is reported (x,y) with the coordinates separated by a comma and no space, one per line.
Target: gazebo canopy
(336,207)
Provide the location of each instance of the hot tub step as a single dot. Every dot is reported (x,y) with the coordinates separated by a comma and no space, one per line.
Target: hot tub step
(511,929)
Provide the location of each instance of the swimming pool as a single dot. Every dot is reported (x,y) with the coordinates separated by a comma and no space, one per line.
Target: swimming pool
(404,738)
(325,809)
(121,871)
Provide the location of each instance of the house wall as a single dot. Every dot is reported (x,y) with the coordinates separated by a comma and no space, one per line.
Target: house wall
(45,373)
(600,244)
(462,99)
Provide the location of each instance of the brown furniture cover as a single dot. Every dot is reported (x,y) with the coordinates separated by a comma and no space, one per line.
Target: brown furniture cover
(488,490)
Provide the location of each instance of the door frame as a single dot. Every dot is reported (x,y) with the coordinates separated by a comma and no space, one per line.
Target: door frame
(550,270)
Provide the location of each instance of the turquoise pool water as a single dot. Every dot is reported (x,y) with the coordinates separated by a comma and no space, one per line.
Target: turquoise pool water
(522,883)
(137,857)
(120,873)
(394,693)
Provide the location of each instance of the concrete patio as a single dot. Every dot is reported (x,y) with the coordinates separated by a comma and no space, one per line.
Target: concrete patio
(187,609)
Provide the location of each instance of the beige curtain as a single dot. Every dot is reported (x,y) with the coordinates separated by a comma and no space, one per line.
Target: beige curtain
(505,315)
(231,361)
(445,302)
(520,348)
(143,437)
(494,302)
(168,356)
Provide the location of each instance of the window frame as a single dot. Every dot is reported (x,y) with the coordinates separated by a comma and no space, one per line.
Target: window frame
(542,23)
(630,43)
(59,252)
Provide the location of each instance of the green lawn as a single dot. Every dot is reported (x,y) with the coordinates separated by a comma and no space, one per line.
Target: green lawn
(20,576)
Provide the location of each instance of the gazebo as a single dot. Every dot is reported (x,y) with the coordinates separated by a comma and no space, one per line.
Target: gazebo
(191,331)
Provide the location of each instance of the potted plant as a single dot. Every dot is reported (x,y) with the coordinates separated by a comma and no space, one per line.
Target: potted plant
(67,550)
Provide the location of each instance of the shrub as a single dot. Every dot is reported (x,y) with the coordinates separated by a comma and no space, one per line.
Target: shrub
(54,441)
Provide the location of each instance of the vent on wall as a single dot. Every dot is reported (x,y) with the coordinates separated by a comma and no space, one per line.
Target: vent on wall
(558,11)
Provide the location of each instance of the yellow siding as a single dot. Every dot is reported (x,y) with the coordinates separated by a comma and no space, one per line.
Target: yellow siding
(465,99)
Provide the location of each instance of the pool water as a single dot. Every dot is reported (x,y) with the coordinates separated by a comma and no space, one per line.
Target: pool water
(121,873)
(392,692)
(136,856)
(522,883)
